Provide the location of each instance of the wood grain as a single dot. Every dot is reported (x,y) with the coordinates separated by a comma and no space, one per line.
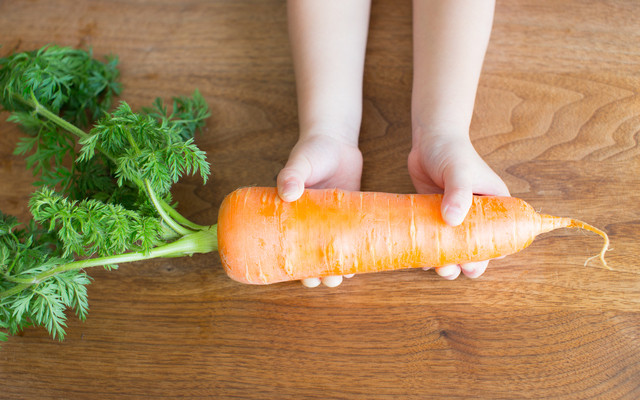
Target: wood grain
(557,116)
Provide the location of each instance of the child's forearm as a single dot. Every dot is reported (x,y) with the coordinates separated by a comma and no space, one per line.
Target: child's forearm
(328,40)
(450,41)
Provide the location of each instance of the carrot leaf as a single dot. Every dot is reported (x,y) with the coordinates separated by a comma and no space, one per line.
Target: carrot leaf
(104,196)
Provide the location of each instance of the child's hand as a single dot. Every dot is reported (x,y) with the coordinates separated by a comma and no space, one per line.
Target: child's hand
(320,161)
(449,162)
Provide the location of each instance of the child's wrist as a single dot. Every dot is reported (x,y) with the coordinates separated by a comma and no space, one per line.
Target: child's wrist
(434,132)
(346,133)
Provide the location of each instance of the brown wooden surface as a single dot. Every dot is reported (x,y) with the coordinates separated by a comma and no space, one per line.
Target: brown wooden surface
(557,116)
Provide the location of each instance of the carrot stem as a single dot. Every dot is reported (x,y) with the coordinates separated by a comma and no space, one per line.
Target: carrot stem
(205,241)
(163,214)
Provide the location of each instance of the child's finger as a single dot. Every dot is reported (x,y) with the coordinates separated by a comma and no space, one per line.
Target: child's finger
(332,281)
(457,198)
(449,272)
(474,269)
(311,282)
(291,179)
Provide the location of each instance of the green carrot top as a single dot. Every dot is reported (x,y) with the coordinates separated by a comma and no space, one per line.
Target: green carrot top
(103,195)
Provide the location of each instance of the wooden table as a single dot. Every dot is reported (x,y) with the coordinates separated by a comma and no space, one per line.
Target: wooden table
(557,116)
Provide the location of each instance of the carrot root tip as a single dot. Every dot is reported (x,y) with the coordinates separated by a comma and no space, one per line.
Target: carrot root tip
(605,247)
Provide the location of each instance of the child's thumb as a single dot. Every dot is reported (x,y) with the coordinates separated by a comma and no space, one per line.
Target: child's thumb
(291,179)
(457,198)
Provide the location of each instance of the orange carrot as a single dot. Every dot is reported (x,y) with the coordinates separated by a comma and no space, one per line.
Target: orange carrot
(262,239)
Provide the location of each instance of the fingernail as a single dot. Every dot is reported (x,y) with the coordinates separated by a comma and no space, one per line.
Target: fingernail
(311,282)
(475,269)
(332,281)
(473,273)
(453,215)
(289,191)
(448,272)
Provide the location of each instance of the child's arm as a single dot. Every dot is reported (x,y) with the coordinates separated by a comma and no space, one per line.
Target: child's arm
(450,41)
(328,42)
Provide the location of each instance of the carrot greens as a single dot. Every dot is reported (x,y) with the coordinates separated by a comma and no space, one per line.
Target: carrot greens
(103,194)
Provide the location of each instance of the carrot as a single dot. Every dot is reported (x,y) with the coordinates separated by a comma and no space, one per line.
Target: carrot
(262,239)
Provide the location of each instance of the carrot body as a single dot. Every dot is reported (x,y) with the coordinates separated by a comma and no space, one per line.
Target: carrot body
(262,239)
